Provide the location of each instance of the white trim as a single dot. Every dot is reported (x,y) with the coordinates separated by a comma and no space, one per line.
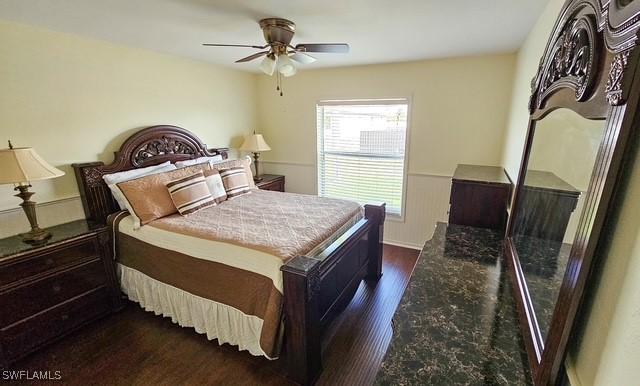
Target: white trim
(41,204)
(403,244)
(362,101)
(427,174)
(314,165)
(290,163)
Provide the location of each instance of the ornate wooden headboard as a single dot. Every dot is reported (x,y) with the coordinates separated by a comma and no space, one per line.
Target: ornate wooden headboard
(150,146)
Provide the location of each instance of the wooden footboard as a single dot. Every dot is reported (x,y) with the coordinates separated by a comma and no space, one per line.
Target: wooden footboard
(317,289)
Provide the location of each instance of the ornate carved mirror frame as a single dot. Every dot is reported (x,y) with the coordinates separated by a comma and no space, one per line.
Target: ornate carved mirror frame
(589,66)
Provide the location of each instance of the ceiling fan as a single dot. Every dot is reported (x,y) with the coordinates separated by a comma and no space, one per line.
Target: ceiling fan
(278,53)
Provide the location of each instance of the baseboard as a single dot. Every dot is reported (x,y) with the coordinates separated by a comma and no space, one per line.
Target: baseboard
(403,244)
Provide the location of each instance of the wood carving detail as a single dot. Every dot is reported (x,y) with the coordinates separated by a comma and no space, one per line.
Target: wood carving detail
(162,146)
(571,62)
(614,88)
(93,177)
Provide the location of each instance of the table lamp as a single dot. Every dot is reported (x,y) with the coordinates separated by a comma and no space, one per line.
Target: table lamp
(19,166)
(255,143)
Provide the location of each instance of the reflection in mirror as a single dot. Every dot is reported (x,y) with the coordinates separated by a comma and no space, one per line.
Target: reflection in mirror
(561,160)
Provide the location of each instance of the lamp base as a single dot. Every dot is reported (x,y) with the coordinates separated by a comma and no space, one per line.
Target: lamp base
(36,236)
(257,178)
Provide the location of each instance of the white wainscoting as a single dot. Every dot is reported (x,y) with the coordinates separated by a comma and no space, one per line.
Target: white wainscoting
(14,221)
(427,201)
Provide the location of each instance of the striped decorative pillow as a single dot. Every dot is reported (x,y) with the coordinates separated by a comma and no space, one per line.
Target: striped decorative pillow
(190,194)
(235,181)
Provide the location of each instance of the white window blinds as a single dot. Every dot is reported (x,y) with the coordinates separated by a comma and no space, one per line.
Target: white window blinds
(361,151)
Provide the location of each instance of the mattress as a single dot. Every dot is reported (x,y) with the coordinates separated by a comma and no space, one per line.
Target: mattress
(228,285)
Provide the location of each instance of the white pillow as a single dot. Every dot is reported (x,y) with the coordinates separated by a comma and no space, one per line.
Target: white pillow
(216,187)
(200,160)
(114,178)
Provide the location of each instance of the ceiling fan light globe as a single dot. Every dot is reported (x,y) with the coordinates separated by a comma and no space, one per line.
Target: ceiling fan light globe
(286,66)
(268,65)
(288,70)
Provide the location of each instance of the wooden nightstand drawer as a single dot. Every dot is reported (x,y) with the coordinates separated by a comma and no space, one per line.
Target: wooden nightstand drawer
(22,338)
(40,263)
(49,290)
(26,300)
(272,182)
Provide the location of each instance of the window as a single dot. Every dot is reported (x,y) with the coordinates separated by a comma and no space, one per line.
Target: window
(361,151)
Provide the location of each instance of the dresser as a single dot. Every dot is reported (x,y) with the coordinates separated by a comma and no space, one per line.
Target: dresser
(547,204)
(479,196)
(50,290)
(271,182)
(457,322)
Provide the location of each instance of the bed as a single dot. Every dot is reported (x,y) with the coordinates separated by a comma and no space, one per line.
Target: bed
(267,271)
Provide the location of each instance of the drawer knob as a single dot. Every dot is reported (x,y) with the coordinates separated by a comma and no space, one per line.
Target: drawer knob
(49,261)
(56,288)
(64,317)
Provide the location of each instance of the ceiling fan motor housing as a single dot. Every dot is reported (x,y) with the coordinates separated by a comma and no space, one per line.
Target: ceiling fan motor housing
(278,32)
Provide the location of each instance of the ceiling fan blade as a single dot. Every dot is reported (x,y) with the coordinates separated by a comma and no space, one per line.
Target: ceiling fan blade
(233,45)
(251,57)
(303,58)
(335,48)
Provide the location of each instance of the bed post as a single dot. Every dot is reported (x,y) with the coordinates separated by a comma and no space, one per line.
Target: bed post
(376,214)
(301,279)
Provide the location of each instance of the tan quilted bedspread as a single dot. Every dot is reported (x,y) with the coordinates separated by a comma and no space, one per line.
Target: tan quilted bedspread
(281,224)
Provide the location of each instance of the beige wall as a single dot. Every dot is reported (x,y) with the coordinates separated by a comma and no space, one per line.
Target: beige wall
(75,99)
(458,114)
(606,353)
(526,67)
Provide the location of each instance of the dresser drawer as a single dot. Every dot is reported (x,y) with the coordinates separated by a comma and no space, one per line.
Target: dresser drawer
(26,336)
(67,254)
(25,300)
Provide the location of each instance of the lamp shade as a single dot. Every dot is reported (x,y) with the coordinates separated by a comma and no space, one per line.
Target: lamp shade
(255,143)
(19,165)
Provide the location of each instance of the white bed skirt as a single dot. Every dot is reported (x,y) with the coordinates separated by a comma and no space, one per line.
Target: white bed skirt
(216,320)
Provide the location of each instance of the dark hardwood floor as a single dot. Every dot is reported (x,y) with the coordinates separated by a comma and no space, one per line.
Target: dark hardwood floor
(135,347)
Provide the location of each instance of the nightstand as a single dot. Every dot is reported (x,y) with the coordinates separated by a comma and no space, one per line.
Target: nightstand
(50,290)
(271,182)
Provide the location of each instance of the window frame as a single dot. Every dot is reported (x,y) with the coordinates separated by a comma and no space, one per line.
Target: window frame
(373,101)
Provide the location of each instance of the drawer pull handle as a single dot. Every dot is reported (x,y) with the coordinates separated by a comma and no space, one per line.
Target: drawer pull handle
(49,261)
(56,288)
(64,317)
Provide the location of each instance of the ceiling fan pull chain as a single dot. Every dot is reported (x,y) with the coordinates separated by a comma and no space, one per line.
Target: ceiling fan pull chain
(279,83)
(281,87)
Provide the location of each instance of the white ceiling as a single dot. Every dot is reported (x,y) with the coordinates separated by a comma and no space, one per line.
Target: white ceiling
(378,31)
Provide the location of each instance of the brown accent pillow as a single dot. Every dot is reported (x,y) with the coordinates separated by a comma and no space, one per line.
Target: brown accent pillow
(215,185)
(244,162)
(235,181)
(148,198)
(190,194)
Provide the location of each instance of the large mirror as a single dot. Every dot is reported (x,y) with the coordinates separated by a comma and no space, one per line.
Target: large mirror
(557,175)
(571,168)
